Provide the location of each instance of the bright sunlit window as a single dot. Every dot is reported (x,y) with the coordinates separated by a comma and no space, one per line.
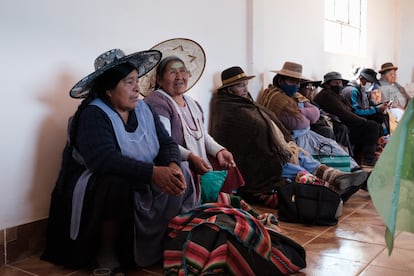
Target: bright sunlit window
(345,22)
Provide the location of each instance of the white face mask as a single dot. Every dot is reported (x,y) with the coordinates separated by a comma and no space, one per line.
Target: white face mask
(367,87)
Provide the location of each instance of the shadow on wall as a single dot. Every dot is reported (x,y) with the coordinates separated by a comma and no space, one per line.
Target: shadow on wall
(51,139)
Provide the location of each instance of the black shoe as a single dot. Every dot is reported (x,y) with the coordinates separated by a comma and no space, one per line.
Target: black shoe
(357,168)
(364,186)
(346,180)
(348,193)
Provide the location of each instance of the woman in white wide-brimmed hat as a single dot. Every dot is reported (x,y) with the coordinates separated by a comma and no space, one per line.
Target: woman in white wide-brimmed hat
(120,181)
(182,65)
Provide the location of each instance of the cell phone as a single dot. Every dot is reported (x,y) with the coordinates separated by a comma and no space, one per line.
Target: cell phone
(389,103)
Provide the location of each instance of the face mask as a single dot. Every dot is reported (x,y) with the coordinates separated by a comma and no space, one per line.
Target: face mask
(337,89)
(367,87)
(290,90)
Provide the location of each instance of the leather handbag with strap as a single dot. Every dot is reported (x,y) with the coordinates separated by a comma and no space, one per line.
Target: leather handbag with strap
(338,161)
(308,204)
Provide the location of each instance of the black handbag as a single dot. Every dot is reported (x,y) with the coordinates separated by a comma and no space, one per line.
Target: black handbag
(308,204)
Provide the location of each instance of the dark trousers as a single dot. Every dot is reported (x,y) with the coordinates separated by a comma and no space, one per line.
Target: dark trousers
(383,122)
(364,139)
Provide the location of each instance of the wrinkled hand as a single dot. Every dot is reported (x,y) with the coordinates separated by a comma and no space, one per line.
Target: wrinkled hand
(169,179)
(197,164)
(225,159)
(175,166)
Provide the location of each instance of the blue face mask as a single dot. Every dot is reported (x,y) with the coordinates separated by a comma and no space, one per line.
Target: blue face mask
(290,90)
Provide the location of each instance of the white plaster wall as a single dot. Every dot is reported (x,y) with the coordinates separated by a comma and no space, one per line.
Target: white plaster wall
(48,45)
(404,40)
(293,31)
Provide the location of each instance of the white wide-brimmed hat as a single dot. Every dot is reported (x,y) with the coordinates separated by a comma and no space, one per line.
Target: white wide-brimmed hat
(189,51)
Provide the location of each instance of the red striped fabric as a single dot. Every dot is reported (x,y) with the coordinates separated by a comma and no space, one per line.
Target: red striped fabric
(215,238)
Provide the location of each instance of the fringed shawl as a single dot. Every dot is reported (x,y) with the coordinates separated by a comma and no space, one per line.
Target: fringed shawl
(277,101)
(243,128)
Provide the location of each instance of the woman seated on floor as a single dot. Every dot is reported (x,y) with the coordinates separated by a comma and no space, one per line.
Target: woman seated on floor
(120,171)
(183,117)
(297,113)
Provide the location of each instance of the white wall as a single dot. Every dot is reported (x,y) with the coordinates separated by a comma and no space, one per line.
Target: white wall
(404,41)
(48,45)
(294,32)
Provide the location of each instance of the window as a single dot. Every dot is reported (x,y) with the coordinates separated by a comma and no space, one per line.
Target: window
(345,26)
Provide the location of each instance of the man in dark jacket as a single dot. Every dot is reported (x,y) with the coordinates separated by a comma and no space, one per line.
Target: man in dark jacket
(363,133)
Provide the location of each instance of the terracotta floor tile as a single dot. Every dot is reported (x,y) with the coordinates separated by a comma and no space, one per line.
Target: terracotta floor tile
(358,231)
(344,249)
(322,265)
(373,270)
(301,237)
(314,229)
(11,271)
(38,267)
(400,259)
(404,240)
(365,215)
(346,212)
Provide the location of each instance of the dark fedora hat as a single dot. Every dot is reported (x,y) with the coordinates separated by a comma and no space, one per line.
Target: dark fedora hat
(144,61)
(333,76)
(233,75)
(369,74)
(386,67)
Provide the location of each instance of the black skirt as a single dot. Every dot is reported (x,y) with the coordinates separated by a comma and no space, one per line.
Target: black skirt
(107,198)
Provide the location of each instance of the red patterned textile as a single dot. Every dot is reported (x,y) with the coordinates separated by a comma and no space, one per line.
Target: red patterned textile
(217,239)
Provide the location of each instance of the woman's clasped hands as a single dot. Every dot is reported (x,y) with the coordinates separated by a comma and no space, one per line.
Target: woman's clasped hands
(169,179)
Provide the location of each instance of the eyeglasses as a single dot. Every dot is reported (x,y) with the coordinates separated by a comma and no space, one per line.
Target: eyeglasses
(310,86)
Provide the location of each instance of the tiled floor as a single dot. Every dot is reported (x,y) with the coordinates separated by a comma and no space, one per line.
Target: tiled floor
(355,246)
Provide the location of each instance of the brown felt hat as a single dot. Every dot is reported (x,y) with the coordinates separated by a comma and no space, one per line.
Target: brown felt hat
(291,69)
(386,67)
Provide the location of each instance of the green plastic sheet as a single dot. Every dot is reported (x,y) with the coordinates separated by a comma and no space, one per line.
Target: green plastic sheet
(391,183)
